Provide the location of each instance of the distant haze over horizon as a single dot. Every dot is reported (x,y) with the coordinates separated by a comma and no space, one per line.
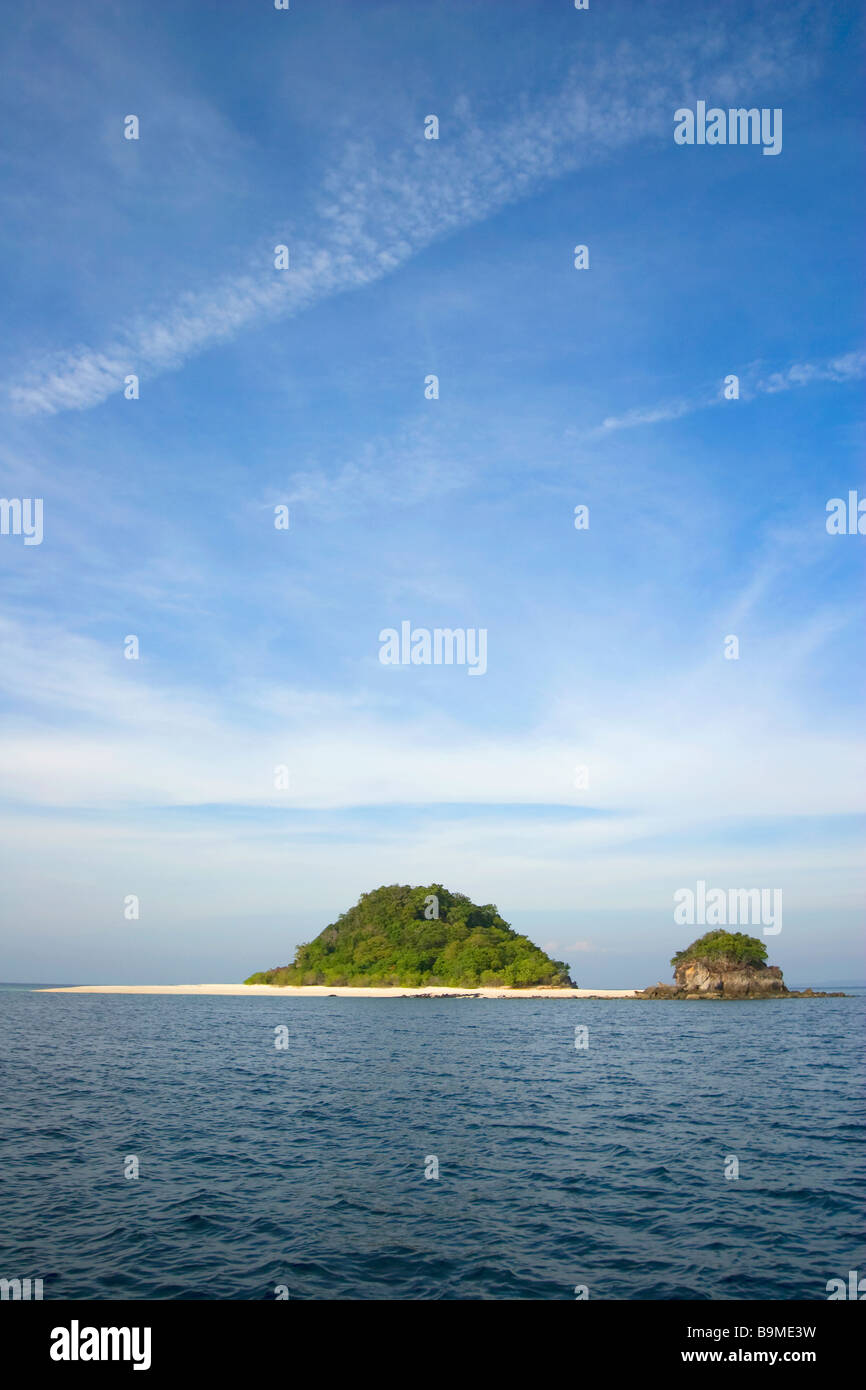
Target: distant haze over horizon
(613,952)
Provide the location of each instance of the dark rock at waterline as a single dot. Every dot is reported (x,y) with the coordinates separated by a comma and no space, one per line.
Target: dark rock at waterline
(735,986)
(720,978)
(818,994)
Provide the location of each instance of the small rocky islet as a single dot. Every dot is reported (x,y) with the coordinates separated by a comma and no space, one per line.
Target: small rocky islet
(727,965)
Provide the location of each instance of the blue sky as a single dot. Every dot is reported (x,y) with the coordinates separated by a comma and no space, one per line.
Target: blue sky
(305,387)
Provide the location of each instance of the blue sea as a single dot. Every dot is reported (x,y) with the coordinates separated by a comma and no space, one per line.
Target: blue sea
(312,1168)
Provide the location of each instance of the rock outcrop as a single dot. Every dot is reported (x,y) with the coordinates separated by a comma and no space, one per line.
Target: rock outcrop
(722,965)
(720,980)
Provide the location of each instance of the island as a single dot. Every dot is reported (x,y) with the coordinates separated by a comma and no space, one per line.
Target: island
(726,965)
(401,936)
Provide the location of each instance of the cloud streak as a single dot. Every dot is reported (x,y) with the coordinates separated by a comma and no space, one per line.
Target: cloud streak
(375,214)
(849,366)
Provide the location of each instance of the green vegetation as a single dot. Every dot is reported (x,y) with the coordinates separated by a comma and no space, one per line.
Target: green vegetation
(716,946)
(390,938)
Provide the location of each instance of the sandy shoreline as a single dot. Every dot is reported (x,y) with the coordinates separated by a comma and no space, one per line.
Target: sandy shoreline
(347,991)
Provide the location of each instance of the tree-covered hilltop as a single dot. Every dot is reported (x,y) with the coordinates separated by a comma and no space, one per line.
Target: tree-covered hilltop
(418,936)
(717,946)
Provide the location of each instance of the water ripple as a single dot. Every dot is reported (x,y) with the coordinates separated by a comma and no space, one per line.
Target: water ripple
(306,1168)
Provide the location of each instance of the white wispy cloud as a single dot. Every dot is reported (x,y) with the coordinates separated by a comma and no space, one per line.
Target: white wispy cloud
(848,366)
(415,462)
(94,730)
(653,415)
(377,213)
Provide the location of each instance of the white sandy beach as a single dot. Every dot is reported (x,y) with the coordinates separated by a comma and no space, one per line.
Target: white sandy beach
(347,991)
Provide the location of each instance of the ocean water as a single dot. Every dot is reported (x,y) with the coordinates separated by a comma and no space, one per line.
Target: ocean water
(558,1167)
